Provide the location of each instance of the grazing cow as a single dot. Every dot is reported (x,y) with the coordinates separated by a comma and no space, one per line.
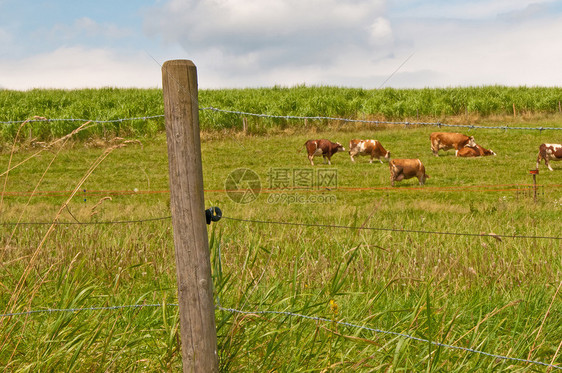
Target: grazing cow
(549,152)
(323,147)
(450,140)
(401,169)
(477,151)
(368,147)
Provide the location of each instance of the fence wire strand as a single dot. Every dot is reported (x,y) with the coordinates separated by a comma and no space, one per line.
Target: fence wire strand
(334,226)
(290,314)
(396,334)
(84,120)
(438,124)
(56,310)
(296,117)
(88,223)
(391,229)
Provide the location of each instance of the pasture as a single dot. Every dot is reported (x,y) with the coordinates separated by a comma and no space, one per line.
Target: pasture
(433,262)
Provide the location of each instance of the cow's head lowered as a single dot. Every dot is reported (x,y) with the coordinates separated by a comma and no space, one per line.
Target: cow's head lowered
(323,147)
(338,147)
(486,152)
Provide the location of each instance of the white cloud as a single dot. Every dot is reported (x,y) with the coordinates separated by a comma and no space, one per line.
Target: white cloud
(445,53)
(245,26)
(73,68)
(87,27)
(247,42)
(474,9)
(381,31)
(532,11)
(484,52)
(211,20)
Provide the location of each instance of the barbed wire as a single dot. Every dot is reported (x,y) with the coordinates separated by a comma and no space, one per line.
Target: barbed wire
(375,330)
(108,308)
(83,120)
(295,117)
(289,314)
(305,189)
(87,223)
(335,226)
(438,124)
(493,235)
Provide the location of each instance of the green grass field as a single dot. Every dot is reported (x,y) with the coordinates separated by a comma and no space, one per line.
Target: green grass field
(497,295)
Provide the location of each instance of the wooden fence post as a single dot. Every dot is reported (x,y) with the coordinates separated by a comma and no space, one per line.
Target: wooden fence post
(193,263)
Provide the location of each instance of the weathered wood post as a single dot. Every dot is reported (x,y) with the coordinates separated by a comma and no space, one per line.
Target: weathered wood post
(193,263)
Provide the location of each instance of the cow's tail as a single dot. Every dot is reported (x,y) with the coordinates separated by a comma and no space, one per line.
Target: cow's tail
(539,158)
(422,167)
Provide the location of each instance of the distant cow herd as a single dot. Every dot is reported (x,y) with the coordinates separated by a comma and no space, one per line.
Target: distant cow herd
(401,169)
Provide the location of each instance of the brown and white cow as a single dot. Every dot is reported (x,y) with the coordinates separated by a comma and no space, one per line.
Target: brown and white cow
(450,140)
(401,169)
(477,151)
(368,147)
(549,152)
(323,147)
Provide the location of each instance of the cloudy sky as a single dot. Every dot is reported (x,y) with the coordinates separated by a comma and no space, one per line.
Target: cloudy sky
(255,43)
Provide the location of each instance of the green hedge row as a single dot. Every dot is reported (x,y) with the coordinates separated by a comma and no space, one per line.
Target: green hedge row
(388,103)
